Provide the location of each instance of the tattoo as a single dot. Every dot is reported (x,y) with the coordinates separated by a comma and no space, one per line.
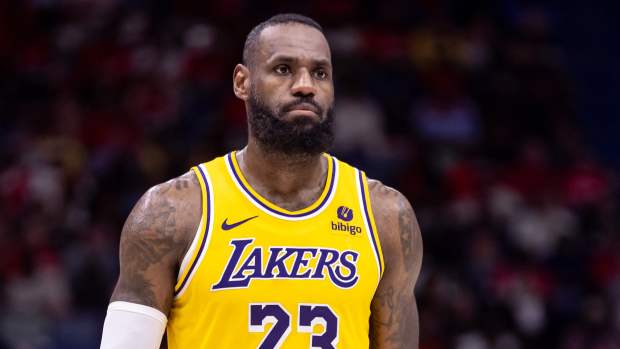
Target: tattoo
(151,245)
(396,318)
(181,184)
(403,326)
(148,237)
(386,301)
(405,221)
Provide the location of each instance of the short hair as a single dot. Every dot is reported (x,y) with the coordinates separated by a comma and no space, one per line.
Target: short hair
(251,41)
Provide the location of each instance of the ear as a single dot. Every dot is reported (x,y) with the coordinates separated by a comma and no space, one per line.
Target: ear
(241,81)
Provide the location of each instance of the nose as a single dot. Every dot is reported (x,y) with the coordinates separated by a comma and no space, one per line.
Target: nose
(303,84)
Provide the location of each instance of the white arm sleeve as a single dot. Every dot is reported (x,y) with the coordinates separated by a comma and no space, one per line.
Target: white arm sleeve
(132,326)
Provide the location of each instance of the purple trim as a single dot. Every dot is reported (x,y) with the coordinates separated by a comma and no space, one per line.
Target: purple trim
(367,217)
(329,191)
(204,238)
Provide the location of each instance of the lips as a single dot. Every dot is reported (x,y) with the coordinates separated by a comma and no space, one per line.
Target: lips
(304,107)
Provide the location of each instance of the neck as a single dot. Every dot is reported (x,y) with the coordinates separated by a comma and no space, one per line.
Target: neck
(283,177)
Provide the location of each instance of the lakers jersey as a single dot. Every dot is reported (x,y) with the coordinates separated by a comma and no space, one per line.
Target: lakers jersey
(260,276)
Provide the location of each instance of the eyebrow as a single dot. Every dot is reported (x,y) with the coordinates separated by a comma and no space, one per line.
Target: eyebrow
(291,59)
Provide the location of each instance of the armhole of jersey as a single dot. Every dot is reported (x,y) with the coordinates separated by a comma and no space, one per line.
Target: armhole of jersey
(199,245)
(369,220)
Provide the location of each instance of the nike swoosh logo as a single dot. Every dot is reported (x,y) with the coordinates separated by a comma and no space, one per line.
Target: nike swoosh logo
(226,226)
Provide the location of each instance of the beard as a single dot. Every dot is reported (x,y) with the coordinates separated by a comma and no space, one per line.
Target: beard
(297,137)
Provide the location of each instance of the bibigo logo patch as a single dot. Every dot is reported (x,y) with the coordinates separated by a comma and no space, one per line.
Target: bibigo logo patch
(345,214)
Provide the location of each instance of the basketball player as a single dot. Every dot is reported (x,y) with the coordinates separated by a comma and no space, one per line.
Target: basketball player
(278,245)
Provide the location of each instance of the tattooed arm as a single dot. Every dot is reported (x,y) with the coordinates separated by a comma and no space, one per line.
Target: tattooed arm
(155,238)
(394,314)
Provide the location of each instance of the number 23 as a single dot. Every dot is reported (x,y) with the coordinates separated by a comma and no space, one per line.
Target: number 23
(309,316)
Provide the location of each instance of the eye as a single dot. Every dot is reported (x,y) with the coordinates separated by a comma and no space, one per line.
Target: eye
(320,74)
(282,69)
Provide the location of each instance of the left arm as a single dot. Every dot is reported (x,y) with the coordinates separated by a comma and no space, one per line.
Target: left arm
(394,314)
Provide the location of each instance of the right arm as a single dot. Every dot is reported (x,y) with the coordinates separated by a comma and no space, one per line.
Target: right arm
(155,237)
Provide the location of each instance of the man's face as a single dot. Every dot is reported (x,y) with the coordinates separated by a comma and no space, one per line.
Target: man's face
(291,92)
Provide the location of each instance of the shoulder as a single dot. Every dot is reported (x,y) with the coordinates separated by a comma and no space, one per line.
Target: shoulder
(168,211)
(388,204)
(385,196)
(397,226)
(176,196)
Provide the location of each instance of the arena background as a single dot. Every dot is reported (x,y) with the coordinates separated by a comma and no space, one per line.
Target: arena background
(499,120)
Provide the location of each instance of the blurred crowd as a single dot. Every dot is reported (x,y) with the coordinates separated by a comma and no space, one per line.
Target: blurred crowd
(465,107)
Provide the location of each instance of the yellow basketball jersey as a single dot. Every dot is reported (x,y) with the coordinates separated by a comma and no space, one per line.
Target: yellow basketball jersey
(259,276)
